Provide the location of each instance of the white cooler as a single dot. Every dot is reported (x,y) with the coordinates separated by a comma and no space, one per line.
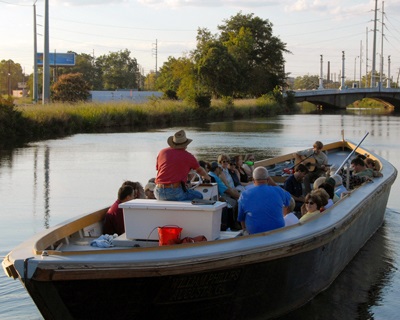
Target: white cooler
(143,216)
(208,190)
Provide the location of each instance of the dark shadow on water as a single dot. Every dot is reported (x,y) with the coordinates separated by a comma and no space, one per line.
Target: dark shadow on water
(358,287)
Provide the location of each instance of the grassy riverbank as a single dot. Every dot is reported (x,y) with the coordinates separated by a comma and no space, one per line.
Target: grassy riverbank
(28,122)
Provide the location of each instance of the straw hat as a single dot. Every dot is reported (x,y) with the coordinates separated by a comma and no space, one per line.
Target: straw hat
(179,140)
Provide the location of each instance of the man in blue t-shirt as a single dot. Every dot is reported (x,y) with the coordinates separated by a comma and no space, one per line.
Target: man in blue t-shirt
(261,207)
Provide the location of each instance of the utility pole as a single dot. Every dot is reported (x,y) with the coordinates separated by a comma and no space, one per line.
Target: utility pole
(381,70)
(321,74)
(360,82)
(35,66)
(373,82)
(355,68)
(155,52)
(46,56)
(9,79)
(366,61)
(342,85)
(388,85)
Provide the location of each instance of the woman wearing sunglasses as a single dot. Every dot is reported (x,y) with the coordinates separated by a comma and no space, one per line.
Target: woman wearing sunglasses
(313,204)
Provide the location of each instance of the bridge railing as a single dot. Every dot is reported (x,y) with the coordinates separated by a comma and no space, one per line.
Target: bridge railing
(317,92)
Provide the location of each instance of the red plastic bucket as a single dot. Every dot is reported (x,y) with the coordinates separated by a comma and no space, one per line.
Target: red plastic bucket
(169,235)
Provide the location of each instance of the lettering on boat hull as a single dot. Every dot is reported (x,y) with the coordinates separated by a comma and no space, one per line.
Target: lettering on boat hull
(199,286)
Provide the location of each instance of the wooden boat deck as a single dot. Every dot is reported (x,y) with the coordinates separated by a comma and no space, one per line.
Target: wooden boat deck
(78,243)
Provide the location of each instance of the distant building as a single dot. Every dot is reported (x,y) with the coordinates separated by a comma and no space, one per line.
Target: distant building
(124,95)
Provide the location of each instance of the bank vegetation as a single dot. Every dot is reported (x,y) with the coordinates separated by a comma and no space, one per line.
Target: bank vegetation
(29,122)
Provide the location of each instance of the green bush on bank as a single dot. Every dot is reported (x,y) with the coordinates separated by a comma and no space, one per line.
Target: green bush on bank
(61,119)
(13,125)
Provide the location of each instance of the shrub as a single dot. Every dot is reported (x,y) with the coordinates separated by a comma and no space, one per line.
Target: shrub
(202,101)
(227,101)
(70,88)
(170,94)
(12,124)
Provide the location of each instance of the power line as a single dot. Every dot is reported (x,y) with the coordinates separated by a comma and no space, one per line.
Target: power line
(16,4)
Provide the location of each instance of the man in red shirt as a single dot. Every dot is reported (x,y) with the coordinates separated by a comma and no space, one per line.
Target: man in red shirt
(173,166)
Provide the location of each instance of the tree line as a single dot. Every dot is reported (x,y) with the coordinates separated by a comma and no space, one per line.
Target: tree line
(242,60)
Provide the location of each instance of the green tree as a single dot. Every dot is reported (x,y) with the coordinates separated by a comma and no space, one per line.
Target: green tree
(306,82)
(86,65)
(119,70)
(244,60)
(150,81)
(217,69)
(258,53)
(10,74)
(178,75)
(70,87)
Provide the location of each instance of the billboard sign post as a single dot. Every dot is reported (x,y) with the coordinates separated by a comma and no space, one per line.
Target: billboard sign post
(57,59)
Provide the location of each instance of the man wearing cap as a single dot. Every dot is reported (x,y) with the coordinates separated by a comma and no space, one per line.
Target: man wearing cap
(173,166)
(261,207)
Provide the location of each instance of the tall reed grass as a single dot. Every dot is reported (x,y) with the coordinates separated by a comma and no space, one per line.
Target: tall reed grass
(60,119)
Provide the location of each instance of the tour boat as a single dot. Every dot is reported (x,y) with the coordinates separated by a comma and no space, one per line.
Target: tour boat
(229,276)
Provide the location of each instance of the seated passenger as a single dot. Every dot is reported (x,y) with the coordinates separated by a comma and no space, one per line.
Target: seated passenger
(137,187)
(339,187)
(359,168)
(294,185)
(229,194)
(114,218)
(289,215)
(235,175)
(332,183)
(173,165)
(374,166)
(330,191)
(223,161)
(318,182)
(248,165)
(149,190)
(260,207)
(319,167)
(244,179)
(313,204)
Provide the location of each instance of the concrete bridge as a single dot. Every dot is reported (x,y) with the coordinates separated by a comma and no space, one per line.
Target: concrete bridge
(335,98)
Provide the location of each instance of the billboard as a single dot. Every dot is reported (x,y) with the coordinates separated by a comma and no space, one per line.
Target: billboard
(57,59)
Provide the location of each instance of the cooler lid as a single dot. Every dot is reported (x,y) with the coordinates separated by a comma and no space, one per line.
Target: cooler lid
(170,205)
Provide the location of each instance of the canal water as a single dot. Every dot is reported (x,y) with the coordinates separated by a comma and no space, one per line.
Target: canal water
(50,181)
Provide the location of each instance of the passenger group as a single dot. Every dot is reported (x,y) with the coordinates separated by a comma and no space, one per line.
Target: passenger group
(255,203)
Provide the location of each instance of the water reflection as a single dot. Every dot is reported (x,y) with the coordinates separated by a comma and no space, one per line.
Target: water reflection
(46,186)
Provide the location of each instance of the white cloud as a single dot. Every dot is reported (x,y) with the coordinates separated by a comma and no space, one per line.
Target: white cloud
(211,3)
(76,3)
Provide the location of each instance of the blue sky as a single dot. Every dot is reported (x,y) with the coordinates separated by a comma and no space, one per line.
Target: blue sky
(310,28)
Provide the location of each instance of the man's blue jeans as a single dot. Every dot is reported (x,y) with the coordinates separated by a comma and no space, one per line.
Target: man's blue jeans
(176,194)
